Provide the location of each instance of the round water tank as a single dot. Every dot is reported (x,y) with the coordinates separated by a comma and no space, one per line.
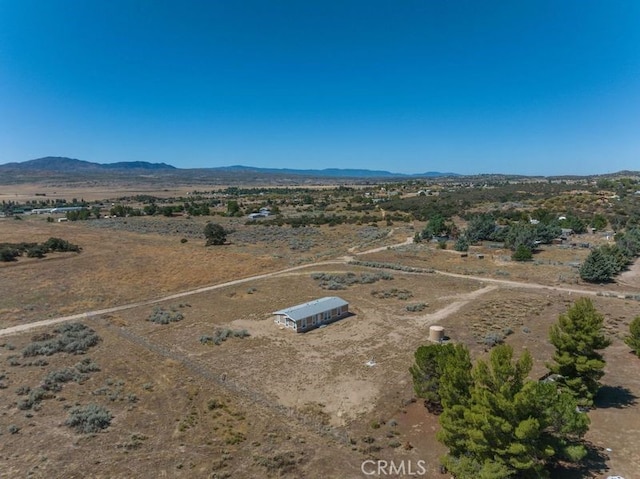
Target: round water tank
(436,333)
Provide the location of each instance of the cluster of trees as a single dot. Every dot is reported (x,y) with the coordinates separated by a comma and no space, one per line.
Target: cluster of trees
(83,214)
(330,220)
(605,262)
(460,200)
(439,226)
(498,423)
(192,208)
(123,211)
(522,237)
(11,251)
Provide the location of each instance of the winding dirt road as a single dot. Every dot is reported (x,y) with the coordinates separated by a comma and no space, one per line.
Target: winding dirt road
(344,260)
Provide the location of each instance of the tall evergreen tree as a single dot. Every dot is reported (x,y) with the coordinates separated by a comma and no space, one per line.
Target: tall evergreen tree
(510,426)
(578,336)
(431,363)
(633,340)
(599,267)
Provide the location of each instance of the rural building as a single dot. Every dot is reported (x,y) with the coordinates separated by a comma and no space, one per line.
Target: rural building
(313,314)
(263,213)
(65,209)
(41,211)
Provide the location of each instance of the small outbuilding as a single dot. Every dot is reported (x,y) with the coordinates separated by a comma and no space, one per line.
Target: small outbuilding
(312,314)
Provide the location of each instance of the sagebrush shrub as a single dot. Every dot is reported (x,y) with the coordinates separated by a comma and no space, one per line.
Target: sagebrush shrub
(89,419)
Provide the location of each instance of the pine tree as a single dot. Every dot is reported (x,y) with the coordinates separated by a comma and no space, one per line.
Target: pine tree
(633,340)
(578,337)
(431,362)
(510,426)
(462,244)
(599,267)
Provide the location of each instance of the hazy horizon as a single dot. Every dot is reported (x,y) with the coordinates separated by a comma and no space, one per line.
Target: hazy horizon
(530,88)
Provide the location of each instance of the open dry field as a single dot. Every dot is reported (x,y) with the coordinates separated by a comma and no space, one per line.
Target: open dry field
(275,403)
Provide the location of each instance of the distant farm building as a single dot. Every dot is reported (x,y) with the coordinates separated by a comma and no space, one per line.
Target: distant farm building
(263,213)
(312,314)
(66,209)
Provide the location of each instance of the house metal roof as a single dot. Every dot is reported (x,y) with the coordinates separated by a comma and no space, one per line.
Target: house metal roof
(310,308)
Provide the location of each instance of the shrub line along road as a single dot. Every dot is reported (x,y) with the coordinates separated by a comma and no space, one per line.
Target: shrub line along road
(344,260)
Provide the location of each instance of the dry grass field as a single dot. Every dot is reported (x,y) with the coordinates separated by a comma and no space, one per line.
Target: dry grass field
(275,403)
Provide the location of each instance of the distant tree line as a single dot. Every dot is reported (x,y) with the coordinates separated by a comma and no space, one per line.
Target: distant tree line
(322,219)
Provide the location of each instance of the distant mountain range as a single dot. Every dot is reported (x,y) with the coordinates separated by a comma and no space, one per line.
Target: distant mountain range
(56,164)
(331,172)
(63,164)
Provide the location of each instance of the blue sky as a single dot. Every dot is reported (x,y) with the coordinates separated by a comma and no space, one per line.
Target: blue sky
(529,87)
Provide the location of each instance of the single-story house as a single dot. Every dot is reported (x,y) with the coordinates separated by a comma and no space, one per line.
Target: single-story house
(312,314)
(263,213)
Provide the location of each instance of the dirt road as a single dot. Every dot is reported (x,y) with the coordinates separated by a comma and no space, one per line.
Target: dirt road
(344,260)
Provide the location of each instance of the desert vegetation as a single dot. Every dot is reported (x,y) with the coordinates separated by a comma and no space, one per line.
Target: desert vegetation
(173,384)
(12,251)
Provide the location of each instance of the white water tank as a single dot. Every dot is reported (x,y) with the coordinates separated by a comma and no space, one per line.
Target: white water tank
(436,334)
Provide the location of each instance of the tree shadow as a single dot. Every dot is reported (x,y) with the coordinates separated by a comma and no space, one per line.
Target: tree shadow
(615,397)
(592,466)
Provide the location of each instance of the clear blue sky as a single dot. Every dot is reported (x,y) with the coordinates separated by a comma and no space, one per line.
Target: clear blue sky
(531,87)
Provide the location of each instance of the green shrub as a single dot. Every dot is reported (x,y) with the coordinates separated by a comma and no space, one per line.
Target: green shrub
(34,397)
(58,244)
(462,244)
(415,308)
(36,252)
(73,338)
(87,366)
(89,419)
(8,254)
(522,253)
(402,294)
(493,339)
(334,282)
(54,380)
(221,335)
(162,316)
(214,404)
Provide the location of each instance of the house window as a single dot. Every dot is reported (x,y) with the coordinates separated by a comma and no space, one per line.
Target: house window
(304,323)
(327,315)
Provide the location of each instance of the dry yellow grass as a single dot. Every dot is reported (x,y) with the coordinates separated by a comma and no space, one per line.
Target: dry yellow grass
(279,387)
(113,268)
